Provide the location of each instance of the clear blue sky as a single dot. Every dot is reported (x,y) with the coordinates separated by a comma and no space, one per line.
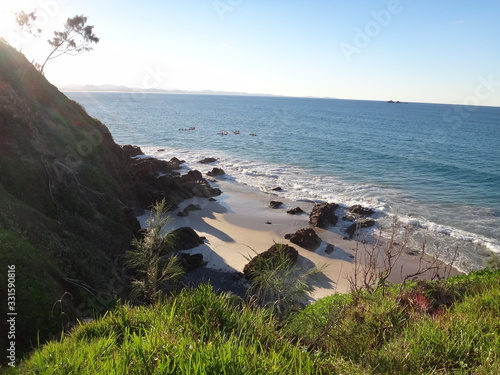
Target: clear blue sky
(445,51)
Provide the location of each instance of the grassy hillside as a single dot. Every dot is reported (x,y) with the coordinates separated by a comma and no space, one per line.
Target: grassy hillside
(446,327)
(64,192)
(69,196)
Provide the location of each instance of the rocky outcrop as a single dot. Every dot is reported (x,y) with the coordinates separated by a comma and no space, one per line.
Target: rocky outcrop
(269,259)
(175,163)
(198,186)
(295,211)
(191,207)
(323,215)
(275,204)
(356,211)
(216,172)
(186,238)
(207,160)
(329,248)
(361,223)
(304,237)
(131,151)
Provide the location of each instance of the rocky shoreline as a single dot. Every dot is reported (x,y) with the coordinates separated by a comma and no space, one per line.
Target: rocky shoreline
(162,180)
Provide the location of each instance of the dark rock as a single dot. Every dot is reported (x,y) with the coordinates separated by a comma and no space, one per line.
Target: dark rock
(349,217)
(359,210)
(350,230)
(191,207)
(329,248)
(304,237)
(216,172)
(268,222)
(175,163)
(269,259)
(186,238)
(362,223)
(275,204)
(366,223)
(160,150)
(277,189)
(152,184)
(198,186)
(131,151)
(296,210)
(190,262)
(212,200)
(323,215)
(192,176)
(207,160)
(150,167)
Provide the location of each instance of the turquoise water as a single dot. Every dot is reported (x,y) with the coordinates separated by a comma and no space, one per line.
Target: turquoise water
(436,166)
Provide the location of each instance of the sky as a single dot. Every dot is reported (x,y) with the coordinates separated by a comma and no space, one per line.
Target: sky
(444,51)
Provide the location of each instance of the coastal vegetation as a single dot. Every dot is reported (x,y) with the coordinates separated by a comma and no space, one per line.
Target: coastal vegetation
(438,327)
(153,257)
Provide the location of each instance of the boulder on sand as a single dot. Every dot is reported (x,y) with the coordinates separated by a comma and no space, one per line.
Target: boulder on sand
(323,215)
(304,237)
(275,204)
(294,211)
(269,259)
(186,238)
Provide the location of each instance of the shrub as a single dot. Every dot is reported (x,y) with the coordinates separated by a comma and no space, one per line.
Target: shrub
(152,257)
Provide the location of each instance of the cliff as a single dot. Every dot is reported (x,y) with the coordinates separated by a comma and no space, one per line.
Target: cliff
(68,199)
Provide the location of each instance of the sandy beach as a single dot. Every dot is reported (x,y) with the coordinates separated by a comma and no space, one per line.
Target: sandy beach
(240,223)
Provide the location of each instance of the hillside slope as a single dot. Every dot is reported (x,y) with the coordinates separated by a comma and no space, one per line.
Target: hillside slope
(68,199)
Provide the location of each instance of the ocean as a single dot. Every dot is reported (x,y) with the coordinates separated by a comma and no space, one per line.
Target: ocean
(435,166)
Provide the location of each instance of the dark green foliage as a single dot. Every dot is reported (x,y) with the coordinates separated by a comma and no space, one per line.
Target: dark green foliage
(34,285)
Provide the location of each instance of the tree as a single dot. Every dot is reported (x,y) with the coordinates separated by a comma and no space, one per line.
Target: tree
(26,22)
(152,257)
(76,37)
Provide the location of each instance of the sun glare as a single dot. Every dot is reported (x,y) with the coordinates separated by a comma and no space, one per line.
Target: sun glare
(7,14)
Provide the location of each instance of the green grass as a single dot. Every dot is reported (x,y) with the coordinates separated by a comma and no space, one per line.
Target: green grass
(198,332)
(414,330)
(201,332)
